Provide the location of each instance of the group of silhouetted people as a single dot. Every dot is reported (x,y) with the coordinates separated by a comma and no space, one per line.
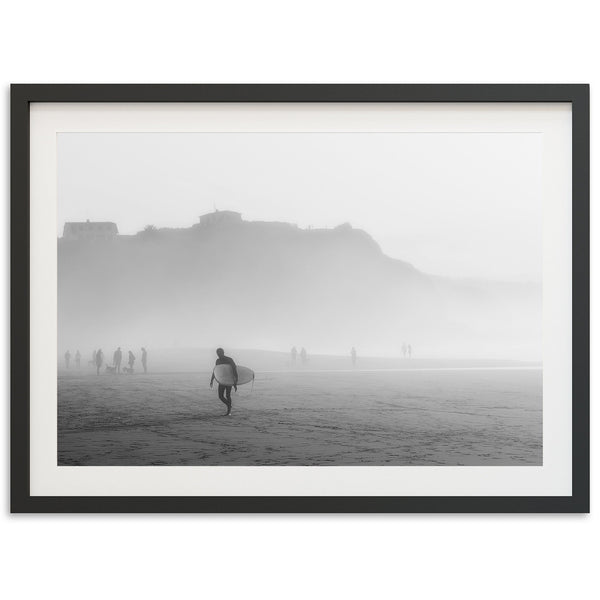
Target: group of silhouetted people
(77,358)
(98,360)
(406,351)
(118,359)
(303,355)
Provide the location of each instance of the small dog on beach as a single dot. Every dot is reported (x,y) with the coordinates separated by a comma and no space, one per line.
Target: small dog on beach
(111,369)
(128,370)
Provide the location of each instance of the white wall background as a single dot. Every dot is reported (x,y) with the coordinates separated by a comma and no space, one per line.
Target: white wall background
(296,556)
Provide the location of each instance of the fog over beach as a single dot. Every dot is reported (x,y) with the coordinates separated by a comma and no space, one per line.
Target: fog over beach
(268,286)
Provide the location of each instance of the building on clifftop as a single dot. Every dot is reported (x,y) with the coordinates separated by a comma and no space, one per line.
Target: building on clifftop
(220,217)
(90,230)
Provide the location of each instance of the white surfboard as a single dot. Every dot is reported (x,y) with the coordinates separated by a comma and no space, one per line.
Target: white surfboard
(224,375)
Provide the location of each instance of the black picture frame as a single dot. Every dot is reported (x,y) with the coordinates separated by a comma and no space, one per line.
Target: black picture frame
(22,95)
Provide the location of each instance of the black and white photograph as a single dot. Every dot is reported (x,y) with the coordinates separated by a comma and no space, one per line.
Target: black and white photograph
(299,299)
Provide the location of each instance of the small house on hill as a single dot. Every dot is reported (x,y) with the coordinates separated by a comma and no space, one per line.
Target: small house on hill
(90,230)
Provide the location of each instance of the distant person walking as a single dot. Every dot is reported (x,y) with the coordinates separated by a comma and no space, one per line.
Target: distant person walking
(144,359)
(404,350)
(303,356)
(99,359)
(67,358)
(225,390)
(131,361)
(78,359)
(294,355)
(409,351)
(353,355)
(117,358)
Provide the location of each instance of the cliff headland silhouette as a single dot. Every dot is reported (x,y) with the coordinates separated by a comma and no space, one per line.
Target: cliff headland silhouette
(253,284)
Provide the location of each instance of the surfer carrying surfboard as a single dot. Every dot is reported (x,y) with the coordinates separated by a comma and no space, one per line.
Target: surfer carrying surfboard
(225,390)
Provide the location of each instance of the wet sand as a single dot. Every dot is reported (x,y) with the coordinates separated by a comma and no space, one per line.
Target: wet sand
(404,417)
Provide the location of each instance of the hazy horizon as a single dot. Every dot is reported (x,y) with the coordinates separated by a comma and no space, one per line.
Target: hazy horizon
(417,359)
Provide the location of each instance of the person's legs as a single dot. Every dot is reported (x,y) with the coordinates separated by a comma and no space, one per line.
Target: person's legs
(221,390)
(228,394)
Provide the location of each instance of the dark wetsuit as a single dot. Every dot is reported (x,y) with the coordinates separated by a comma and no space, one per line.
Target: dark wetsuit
(225,390)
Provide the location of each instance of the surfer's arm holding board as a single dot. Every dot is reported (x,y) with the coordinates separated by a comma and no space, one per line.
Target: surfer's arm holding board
(235,374)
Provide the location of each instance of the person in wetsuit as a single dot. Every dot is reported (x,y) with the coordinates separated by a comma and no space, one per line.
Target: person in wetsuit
(225,390)
(117,358)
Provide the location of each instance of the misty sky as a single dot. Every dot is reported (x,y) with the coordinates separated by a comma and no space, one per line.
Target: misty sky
(453,204)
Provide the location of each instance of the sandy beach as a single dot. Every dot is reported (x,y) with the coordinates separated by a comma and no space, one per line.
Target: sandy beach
(397,417)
